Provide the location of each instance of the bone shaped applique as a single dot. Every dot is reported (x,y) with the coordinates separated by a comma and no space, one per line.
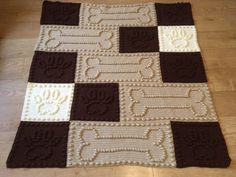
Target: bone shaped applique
(141,14)
(141,102)
(56,38)
(150,144)
(142,68)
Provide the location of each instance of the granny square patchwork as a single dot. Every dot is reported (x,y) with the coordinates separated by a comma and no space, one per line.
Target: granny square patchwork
(118,85)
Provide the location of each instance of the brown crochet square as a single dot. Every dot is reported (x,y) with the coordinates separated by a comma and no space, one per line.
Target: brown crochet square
(138,39)
(199,144)
(182,67)
(58,13)
(39,144)
(96,102)
(53,67)
(174,14)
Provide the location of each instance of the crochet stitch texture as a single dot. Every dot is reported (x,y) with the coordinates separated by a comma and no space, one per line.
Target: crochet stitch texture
(117,85)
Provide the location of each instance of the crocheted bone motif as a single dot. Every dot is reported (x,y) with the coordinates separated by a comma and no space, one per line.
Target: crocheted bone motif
(142,102)
(57,38)
(150,144)
(95,67)
(141,15)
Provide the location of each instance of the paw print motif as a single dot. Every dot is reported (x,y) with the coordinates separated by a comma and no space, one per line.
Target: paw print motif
(49,102)
(54,67)
(179,38)
(97,102)
(40,144)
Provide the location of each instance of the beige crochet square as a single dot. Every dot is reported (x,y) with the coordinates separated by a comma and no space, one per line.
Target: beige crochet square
(178,39)
(47,102)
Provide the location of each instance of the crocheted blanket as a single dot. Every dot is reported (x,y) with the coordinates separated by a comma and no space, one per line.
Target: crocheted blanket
(117,85)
